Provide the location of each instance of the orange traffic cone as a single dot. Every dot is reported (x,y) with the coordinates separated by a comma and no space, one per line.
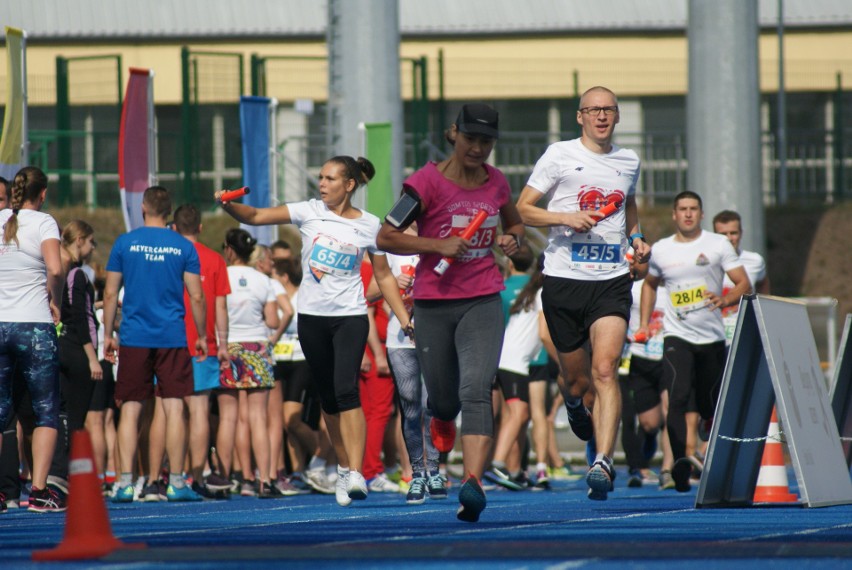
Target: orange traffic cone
(772,485)
(87,529)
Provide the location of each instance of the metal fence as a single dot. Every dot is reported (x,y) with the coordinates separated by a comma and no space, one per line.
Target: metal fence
(819,162)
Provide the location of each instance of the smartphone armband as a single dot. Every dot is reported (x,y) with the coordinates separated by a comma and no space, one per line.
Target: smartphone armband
(406,209)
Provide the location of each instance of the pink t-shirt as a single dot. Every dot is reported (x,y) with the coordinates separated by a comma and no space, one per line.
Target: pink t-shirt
(447,210)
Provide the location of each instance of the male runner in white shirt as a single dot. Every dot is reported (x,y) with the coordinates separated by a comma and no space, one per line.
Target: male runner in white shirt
(691,264)
(586,294)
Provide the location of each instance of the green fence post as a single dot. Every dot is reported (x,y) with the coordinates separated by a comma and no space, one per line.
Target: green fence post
(63,125)
(839,170)
(442,101)
(186,122)
(258,88)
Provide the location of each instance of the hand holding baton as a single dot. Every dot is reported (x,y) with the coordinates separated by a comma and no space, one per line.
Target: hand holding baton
(465,234)
(230,195)
(605,212)
(638,337)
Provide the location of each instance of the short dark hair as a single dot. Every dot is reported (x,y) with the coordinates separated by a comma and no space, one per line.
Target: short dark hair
(523,258)
(280,244)
(188,220)
(726,216)
(688,194)
(158,200)
(289,267)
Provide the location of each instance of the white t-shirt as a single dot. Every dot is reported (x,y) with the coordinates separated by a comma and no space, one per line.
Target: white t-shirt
(251,290)
(278,289)
(653,349)
(688,269)
(398,264)
(521,341)
(332,250)
(579,179)
(23,274)
(288,348)
(755,268)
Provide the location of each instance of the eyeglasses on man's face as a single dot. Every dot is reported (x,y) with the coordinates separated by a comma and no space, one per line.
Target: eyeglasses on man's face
(595,111)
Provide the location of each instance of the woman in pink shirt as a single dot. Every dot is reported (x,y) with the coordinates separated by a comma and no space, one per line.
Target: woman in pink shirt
(459,316)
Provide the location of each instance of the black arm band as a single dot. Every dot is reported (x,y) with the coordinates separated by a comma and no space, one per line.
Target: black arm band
(406,209)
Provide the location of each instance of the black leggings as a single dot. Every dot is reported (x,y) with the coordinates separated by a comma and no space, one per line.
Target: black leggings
(76,383)
(333,347)
(687,366)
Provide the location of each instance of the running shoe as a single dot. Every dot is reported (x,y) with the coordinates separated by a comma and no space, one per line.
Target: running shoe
(341,492)
(522,480)
(247,489)
(600,480)
(58,484)
(153,492)
(437,486)
(356,486)
(206,492)
(317,480)
(181,494)
(46,501)
(564,473)
(297,480)
(471,499)
(666,481)
(634,479)
(2,503)
(580,419)
(542,481)
(266,490)
(501,477)
(649,477)
(123,494)
(416,491)
(680,473)
(381,484)
(12,504)
(443,434)
(292,485)
(216,482)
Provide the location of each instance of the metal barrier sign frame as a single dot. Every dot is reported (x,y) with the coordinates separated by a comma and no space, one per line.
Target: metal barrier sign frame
(841,391)
(773,361)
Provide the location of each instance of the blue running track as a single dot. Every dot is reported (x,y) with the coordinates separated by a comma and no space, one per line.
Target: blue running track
(558,529)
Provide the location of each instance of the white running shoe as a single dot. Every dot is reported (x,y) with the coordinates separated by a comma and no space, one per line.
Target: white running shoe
(381,484)
(341,492)
(318,481)
(356,486)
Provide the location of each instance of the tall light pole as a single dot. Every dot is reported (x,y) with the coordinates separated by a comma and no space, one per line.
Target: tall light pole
(781,137)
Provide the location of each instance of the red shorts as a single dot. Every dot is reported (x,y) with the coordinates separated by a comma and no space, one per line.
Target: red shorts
(138,366)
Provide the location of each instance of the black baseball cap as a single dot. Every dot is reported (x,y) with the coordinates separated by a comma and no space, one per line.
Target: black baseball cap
(478,119)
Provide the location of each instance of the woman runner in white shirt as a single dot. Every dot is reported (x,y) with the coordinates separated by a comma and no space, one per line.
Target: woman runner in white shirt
(332,309)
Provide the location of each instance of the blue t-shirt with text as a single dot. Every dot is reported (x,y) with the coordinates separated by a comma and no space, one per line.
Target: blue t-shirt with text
(152,262)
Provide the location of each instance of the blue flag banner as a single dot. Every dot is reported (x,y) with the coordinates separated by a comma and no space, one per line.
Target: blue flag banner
(256,132)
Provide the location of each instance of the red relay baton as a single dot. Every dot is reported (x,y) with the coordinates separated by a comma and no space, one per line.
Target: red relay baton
(466,233)
(605,212)
(609,209)
(234,194)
